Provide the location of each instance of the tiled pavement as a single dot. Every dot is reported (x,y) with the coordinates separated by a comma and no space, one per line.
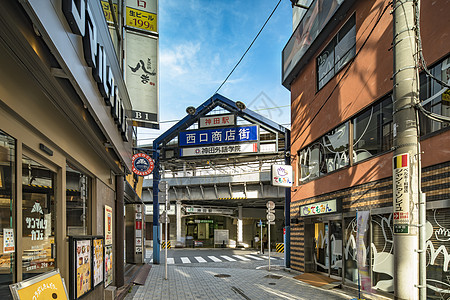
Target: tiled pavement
(198,281)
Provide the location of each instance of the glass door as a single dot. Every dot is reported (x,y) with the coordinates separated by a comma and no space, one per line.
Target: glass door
(38,210)
(336,236)
(321,248)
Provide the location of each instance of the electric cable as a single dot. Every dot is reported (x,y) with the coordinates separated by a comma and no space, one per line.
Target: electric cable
(242,57)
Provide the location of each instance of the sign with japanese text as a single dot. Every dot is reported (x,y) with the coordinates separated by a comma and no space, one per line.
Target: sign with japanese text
(108,225)
(144,5)
(83,267)
(401,188)
(141,77)
(318,208)
(109,262)
(108,13)
(215,150)
(282,175)
(97,272)
(142,164)
(217,121)
(141,19)
(41,287)
(218,136)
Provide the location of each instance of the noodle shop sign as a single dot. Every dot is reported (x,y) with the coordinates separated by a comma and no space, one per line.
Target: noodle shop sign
(319,208)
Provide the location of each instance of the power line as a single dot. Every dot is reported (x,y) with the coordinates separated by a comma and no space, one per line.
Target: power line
(242,57)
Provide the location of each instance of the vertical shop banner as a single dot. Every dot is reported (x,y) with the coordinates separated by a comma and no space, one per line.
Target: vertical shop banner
(362,241)
(109,262)
(402,197)
(108,225)
(141,77)
(97,272)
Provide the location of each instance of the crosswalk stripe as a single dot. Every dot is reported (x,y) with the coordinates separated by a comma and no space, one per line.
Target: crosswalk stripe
(228,258)
(214,259)
(170,260)
(253,257)
(266,257)
(241,257)
(185,260)
(200,259)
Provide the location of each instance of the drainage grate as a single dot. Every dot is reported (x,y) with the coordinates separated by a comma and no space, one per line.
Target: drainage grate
(273,276)
(272,283)
(222,275)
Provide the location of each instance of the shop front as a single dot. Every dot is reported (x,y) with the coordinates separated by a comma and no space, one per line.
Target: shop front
(323,237)
(62,154)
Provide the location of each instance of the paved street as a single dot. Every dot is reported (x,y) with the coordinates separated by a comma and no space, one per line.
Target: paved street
(239,279)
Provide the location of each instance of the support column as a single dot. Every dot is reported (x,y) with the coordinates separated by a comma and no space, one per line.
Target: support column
(178,216)
(287,207)
(405,164)
(156,232)
(240,226)
(120,235)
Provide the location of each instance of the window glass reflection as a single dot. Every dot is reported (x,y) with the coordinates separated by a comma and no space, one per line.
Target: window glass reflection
(77,201)
(7,179)
(38,218)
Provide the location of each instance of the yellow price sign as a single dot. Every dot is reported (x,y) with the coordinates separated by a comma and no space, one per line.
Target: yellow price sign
(107,11)
(43,287)
(141,19)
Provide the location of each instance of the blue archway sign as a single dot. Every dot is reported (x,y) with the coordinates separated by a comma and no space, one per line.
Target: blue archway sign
(182,125)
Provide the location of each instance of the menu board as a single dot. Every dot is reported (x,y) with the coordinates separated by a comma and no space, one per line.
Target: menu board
(83,267)
(48,285)
(97,272)
(108,265)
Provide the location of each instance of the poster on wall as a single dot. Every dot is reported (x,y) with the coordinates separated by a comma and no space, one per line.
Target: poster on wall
(8,240)
(108,265)
(83,267)
(80,266)
(108,225)
(97,260)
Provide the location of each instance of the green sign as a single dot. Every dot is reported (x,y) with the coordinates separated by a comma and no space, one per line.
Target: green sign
(204,221)
(401,228)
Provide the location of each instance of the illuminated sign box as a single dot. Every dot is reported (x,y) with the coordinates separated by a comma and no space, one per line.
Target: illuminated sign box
(218,136)
(216,150)
(320,208)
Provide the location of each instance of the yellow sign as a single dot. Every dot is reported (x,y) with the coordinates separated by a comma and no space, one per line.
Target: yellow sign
(107,11)
(46,286)
(446,95)
(141,19)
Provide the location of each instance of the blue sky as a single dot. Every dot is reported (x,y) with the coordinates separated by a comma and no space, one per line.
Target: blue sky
(200,43)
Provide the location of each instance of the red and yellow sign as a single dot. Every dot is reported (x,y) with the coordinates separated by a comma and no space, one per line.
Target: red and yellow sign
(141,19)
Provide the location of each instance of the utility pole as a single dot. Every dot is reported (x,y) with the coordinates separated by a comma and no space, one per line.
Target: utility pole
(406,154)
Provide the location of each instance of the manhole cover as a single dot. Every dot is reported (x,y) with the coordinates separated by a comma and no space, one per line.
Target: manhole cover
(273,276)
(222,275)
